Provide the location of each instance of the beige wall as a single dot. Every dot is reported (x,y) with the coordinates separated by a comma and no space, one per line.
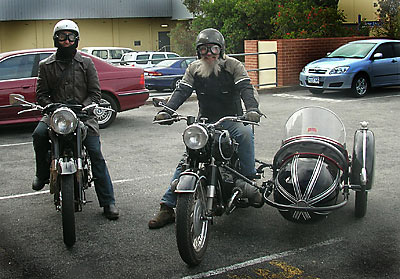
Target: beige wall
(353,8)
(94,32)
(267,61)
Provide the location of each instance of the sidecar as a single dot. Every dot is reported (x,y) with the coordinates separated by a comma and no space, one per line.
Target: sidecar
(312,171)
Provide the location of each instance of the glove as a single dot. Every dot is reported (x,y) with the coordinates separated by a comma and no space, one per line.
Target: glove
(252,116)
(162,115)
(49,108)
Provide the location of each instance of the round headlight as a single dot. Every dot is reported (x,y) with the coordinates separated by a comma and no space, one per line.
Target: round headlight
(63,121)
(195,137)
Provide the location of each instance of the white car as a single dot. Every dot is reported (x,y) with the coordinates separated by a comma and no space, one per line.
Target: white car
(144,59)
(110,54)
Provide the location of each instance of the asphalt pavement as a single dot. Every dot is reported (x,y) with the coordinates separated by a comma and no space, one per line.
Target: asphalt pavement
(250,243)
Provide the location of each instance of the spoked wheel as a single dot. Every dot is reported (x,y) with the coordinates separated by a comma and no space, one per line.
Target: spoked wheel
(106,117)
(68,209)
(360,86)
(192,226)
(361,202)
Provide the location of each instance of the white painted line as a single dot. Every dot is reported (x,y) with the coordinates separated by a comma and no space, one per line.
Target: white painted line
(262,259)
(24,195)
(114,182)
(289,96)
(14,144)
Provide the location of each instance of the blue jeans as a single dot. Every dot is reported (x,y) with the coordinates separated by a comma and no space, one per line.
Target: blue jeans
(102,181)
(244,137)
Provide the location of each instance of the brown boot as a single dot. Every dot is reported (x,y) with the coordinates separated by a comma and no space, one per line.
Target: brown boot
(164,217)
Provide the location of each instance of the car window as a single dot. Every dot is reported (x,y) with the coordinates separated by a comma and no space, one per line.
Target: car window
(144,57)
(116,53)
(396,47)
(100,53)
(357,50)
(157,56)
(172,55)
(17,67)
(386,50)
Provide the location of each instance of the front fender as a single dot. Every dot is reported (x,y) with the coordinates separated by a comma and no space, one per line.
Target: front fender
(187,183)
(66,167)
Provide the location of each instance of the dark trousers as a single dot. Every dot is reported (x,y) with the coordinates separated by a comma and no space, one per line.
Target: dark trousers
(102,181)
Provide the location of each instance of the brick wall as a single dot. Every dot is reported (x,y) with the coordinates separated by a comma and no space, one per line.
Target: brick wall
(293,55)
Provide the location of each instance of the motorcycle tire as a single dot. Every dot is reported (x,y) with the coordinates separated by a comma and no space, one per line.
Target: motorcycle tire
(68,209)
(191,226)
(361,202)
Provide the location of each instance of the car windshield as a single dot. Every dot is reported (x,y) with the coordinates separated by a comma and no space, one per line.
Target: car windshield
(315,122)
(355,50)
(166,63)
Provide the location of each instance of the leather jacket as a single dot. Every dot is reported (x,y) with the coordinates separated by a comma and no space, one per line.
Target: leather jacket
(220,95)
(69,82)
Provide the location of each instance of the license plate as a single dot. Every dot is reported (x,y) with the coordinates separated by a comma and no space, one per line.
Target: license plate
(313,80)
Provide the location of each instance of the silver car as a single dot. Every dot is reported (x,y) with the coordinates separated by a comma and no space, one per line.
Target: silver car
(358,66)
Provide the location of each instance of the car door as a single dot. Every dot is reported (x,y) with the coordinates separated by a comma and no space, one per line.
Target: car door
(396,47)
(18,75)
(385,69)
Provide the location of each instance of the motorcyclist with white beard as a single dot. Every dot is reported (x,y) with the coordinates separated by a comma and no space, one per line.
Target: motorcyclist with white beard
(221,84)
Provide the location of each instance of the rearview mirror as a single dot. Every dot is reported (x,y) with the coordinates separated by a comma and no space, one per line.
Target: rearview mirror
(16,99)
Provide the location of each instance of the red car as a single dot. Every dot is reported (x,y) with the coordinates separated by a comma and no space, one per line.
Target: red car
(122,88)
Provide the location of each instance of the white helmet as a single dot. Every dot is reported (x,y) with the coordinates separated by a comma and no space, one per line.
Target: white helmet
(66,24)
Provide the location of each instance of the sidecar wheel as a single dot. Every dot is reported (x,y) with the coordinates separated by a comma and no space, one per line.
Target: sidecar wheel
(68,209)
(361,203)
(192,226)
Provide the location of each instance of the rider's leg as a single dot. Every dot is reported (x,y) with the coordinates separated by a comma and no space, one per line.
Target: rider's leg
(41,145)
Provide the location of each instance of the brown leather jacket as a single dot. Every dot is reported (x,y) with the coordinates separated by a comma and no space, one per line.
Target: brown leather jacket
(77,82)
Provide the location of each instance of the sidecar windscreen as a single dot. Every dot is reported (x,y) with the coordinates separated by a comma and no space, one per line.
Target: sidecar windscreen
(314,131)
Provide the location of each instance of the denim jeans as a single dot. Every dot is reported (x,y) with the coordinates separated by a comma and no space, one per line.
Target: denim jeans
(244,137)
(102,181)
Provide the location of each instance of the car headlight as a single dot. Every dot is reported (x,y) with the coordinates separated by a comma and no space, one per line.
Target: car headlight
(63,121)
(303,70)
(195,137)
(339,70)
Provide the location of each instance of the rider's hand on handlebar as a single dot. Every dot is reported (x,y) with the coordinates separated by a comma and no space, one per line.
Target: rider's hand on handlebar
(162,115)
(252,116)
(49,108)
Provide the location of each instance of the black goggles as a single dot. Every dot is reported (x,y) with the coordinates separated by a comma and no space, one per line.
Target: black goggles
(214,49)
(70,37)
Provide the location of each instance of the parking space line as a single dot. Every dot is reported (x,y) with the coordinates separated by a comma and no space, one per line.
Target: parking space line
(114,182)
(14,144)
(290,96)
(262,259)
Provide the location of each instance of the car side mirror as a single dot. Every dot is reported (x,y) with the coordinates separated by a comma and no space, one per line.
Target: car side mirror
(378,56)
(327,54)
(16,99)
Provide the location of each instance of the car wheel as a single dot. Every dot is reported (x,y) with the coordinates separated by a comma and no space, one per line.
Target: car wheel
(316,91)
(360,86)
(105,118)
(176,83)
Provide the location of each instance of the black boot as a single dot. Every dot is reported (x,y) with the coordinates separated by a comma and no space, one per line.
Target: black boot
(111,212)
(38,184)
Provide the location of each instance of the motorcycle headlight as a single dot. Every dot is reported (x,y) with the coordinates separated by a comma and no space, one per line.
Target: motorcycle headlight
(63,121)
(195,137)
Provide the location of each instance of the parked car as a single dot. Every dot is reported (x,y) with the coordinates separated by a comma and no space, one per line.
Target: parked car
(145,57)
(110,54)
(167,74)
(122,88)
(358,66)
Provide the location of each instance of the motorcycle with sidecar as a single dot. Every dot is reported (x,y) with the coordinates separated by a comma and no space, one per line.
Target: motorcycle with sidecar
(312,174)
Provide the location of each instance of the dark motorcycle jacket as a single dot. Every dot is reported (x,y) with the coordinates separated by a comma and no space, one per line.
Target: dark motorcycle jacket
(74,82)
(220,95)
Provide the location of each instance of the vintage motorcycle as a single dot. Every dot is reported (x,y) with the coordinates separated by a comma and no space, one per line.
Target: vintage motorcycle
(309,171)
(70,167)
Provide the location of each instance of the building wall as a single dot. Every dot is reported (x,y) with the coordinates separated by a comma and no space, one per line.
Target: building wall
(352,8)
(27,34)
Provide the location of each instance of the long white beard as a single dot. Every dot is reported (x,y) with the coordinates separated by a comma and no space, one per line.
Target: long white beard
(206,69)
